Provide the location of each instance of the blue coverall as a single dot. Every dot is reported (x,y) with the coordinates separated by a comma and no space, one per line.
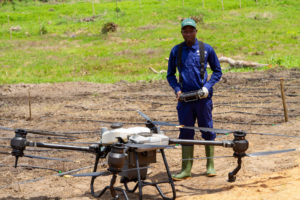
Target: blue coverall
(201,110)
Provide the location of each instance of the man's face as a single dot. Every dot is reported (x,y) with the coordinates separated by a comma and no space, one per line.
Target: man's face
(189,33)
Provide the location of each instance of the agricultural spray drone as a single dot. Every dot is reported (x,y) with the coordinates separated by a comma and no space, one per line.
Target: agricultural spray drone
(130,151)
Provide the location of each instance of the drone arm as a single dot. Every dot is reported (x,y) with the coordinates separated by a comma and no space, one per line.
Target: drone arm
(19,143)
(59,146)
(239,146)
(201,142)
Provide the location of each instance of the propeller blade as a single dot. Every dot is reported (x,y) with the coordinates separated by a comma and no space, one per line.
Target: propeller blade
(5,147)
(6,153)
(6,128)
(105,173)
(92,174)
(204,158)
(144,115)
(255,154)
(220,131)
(47,158)
(274,134)
(38,132)
(165,124)
(266,153)
(30,167)
(38,150)
(37,167)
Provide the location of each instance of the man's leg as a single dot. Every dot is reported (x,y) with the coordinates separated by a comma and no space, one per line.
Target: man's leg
(186,117)
(204,118)
(187,163)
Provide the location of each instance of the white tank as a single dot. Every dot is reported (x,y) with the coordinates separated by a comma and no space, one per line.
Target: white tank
(154,139)
(110,136)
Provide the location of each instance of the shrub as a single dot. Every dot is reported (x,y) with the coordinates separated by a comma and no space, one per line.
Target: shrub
(43,30)
(109,27)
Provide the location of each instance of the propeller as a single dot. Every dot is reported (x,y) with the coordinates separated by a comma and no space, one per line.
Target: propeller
(144,115)
(5,153)
(222,131)
(39,157)
(5,147)
(218,131)
(266,153)
(5,139)
(105,173)
(31,167)
(274,134)
(38,132)
(150,124)
(47,158)
(254,154)
(38,150)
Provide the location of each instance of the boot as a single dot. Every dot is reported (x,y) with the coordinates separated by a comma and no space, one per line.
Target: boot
(210,170)
(187,153)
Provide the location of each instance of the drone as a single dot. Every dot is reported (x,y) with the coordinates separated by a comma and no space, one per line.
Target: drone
(130,151)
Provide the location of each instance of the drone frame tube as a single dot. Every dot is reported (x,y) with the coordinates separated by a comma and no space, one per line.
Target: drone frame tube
(59,146)
(202,142)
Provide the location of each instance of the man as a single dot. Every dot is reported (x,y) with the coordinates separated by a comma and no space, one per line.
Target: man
(186,58)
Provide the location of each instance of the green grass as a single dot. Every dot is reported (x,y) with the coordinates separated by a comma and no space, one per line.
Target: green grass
(71,49)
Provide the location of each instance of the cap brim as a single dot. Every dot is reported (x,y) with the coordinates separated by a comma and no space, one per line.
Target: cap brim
(188,25)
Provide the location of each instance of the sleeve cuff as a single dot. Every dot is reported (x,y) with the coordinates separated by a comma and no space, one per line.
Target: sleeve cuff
(207,85)
(177,89)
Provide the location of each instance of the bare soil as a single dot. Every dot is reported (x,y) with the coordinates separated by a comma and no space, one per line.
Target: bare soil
(242,101)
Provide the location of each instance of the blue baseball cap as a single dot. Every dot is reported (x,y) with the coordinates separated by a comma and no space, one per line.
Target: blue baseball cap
(188,22)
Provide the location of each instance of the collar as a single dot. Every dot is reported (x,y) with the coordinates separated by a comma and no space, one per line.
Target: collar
(194,47)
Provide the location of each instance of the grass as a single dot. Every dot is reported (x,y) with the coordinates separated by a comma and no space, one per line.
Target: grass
(57,43)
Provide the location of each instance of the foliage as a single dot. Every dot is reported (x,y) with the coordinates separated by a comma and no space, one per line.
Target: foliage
(43,30)
(59,40)
(109,27)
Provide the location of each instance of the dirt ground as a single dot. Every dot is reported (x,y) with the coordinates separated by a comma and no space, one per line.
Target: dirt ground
(242,101)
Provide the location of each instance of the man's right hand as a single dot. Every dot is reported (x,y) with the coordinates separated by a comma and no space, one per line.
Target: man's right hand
(178,94)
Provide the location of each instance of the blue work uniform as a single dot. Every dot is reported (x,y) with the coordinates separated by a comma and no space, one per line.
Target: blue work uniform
(201,110)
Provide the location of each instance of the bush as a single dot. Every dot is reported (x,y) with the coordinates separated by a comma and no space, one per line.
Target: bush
(109,27)
(198,19)
(43,30)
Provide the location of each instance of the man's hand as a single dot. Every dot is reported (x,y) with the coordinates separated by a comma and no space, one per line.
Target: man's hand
(205,91)
(178,94)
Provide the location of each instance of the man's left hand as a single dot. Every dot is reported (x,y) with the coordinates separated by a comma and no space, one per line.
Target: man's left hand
(205,92)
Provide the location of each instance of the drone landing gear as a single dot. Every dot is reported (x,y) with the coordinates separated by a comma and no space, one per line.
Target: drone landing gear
(232,175)
(113,189)
(141,183)
(240,145)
